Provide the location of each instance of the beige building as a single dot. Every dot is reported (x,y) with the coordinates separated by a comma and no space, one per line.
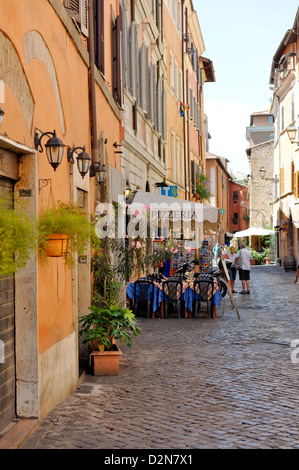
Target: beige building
(284,82)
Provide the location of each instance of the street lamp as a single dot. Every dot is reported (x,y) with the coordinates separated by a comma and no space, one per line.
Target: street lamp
(128,191)
(54,148)
(83,159)
(292,131)
(98,171)
(262,175)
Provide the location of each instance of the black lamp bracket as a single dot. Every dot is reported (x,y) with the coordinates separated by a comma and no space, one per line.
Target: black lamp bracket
(70,153)
(38,139)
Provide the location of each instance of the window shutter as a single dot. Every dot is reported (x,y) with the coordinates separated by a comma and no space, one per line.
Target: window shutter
(153,94)
(159,106)
(193,176)
(84,17)
(125,50)
(78,9)
(164,117)
(114,58)
(144,77)
(137,65)
(195,111)
(99,36)
(119,60)
(133,84)
(73,7)
(190,104)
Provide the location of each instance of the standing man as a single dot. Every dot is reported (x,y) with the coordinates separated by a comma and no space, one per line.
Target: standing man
(244,272)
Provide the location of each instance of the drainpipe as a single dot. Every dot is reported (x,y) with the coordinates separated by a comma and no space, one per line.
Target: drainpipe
(92,92)
(184,97)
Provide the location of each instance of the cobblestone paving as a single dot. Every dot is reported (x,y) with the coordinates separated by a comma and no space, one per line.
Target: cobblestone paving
(194,384)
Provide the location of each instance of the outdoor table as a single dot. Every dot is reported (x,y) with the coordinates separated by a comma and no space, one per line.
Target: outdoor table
(130,294)
(187,294)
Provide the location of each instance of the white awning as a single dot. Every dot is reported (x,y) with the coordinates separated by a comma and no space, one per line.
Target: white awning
(189,209)
(253,231)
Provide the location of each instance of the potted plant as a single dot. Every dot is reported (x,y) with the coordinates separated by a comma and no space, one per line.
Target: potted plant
(17,237)
(102,327)
(278,261)
(64,231)
(267,256)
(201,187)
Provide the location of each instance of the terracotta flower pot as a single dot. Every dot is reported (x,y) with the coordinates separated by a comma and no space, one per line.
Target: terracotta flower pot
(252,262)
(56,245)
(106,362)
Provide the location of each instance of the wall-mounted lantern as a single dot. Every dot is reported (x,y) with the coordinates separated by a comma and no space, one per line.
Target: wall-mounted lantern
(54,148)
(98,171)
(83,159)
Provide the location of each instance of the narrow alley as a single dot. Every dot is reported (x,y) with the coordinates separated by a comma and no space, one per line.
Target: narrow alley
(195,384)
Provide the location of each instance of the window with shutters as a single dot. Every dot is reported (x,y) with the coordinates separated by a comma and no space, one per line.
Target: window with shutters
(281,181)
(78,9)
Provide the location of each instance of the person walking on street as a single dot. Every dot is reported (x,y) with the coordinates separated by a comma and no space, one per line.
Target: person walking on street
(244,272)
(232,269)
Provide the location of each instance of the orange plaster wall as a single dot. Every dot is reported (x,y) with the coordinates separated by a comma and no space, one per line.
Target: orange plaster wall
(55,303)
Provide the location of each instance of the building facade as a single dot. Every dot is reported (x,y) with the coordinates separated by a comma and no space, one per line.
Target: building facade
(124,80)
(284,82)
(239,209)
(219,178)
(46,72)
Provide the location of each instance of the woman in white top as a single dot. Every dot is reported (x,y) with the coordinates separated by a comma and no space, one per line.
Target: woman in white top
(232,269)
(244,273)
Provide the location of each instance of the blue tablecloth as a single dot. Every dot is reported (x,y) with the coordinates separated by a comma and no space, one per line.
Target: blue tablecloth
(156,301)
(188,296)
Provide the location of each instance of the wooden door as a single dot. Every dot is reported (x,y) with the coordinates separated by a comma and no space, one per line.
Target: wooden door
(7,336)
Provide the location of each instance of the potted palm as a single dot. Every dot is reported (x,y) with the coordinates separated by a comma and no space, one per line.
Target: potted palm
(102,327)
(64,231)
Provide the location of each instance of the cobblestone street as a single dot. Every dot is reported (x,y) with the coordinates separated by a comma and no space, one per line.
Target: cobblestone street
(194,384)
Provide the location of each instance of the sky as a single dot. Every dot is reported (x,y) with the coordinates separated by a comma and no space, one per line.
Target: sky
(241,38)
